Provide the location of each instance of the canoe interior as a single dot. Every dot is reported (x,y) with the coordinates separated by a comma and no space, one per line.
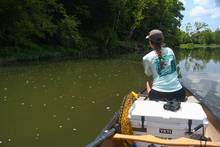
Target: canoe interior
(212,131)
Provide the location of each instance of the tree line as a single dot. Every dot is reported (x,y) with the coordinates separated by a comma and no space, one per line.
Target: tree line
(83,27)
(199,33)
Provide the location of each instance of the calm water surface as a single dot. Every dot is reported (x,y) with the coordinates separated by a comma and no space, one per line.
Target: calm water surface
(200,71)
(62,103)
(54,104)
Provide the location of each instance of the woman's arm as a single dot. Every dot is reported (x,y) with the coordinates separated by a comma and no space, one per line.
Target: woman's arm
(148,86)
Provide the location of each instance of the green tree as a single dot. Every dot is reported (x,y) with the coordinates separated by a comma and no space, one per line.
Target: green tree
(200,26)
(34,21)
(217,36)
(85,27)
(201,34)
(189,29)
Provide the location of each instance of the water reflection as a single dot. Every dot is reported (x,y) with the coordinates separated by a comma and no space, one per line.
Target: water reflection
(200,71)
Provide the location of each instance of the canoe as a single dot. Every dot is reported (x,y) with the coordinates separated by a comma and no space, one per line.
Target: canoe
(109,136)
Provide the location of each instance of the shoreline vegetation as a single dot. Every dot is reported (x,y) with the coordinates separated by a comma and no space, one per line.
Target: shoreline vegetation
(38,53)
(194,46)
(123,48)
(82,29)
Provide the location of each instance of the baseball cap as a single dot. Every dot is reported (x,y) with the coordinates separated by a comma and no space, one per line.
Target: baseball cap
(155,36)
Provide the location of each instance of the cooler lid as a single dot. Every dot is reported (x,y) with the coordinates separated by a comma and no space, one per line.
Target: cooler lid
(153,111)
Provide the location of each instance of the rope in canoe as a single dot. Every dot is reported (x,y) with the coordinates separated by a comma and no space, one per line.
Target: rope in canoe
(125,126)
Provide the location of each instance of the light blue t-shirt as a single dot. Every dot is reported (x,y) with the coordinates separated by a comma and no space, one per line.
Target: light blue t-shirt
(164,79)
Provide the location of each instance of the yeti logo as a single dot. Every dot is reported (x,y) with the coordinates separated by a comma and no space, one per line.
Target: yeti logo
(165,131)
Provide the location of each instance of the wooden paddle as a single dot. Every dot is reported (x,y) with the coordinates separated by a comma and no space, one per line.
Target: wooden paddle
(171,142)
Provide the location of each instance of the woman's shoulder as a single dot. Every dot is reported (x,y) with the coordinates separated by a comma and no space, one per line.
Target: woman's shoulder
(149,55)
(168,49)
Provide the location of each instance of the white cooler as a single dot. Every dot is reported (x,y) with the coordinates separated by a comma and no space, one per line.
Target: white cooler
(149,117)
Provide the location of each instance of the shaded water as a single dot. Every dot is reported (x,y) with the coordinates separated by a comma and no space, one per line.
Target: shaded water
(62,103)
(54,104)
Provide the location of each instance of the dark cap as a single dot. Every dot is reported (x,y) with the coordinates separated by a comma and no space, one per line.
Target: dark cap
(155,36)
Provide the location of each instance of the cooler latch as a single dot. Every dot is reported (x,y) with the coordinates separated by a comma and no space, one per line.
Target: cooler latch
(142,122)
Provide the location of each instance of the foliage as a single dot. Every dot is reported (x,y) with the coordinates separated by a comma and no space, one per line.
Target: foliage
(194,46)
(84,27)
(201,34)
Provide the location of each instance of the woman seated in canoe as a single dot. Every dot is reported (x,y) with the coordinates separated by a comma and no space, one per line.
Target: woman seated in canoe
(161,65)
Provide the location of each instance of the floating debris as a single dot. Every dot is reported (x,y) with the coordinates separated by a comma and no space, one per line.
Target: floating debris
(93,102)
(107,108)
(61,96)
(90,87)
(0,142)
(72,107)
(38,134)
(22,103)
(60,126)
(74,129)
(73,96)
(9,139)
(27,82)
(5,88)
(54,116)
(68,118)
(44,105)
(117,94)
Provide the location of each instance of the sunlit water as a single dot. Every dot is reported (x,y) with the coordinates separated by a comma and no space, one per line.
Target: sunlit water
(54,104)
(200,72)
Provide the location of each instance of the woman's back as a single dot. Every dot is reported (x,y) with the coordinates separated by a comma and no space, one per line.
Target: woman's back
(165,77)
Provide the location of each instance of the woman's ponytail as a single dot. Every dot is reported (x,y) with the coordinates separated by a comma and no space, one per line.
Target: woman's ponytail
(160,56)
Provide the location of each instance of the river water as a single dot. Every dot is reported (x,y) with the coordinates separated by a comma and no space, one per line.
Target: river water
(66,103)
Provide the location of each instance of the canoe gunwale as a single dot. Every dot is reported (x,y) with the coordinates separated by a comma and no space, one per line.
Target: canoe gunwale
(211,116)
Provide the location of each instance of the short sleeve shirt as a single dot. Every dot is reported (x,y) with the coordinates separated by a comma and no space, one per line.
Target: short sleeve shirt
(165,78)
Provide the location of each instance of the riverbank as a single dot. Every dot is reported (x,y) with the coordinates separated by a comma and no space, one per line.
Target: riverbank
(191,46)
(43,53)
(38,53)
